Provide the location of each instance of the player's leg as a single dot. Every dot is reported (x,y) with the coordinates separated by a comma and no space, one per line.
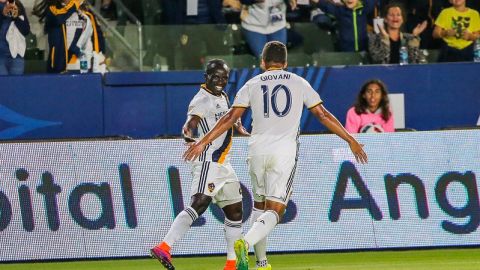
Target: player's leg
(184,220)
(229,198)
(260,247)
(179,227)
(233,231)
(276,188)
(266,222)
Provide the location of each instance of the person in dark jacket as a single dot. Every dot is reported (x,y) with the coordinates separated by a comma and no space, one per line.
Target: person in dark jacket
(55,13)
(12,15)
(352,16)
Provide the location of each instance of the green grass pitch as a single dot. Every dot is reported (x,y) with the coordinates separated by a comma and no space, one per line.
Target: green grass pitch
(441,259)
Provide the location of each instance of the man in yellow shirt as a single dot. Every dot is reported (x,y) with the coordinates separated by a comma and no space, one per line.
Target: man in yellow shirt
(459,27)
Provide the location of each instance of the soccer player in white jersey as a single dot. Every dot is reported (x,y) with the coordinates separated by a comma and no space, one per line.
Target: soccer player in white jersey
(276,98)
(213,177)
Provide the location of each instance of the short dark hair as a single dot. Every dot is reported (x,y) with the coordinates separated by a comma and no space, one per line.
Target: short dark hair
(274,52)
(215,64)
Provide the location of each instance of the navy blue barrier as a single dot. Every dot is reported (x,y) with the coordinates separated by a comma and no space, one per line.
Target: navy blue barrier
(51,106)
(436,96)
(144,105)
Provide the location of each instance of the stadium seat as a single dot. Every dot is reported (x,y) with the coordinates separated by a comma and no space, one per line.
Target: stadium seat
(35,66)
(315,39)
(299,60)
(338,58)
(432,56)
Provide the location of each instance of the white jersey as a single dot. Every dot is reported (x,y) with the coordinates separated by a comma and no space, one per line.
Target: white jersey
(79,32)
(210,109)
(276,98)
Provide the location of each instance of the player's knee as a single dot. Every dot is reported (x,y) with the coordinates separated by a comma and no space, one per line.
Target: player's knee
(200,203)
(236,216)
(234,211)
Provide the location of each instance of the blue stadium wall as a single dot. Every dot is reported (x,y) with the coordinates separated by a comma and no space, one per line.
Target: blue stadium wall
(145,105)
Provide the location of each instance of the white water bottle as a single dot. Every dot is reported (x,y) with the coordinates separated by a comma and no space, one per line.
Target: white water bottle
(403,54)
(83,63)
(476,51)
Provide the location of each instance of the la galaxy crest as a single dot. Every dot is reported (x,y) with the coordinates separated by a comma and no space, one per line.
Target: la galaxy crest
(211,187)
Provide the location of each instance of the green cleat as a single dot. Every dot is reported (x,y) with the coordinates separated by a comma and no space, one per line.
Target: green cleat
(241,250)
(268,267)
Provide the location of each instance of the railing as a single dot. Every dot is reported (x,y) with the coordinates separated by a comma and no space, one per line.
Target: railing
(133,18)
(117,35)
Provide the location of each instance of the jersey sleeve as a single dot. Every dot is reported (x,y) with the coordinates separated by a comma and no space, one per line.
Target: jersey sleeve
(242,99)
(310,97)
(198,106)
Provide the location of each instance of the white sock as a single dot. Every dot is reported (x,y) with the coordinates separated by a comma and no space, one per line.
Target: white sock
(233,232)
(180,225)
(261,246)
(262,227)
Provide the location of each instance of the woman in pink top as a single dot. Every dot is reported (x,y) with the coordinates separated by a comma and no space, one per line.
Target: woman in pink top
(371,111)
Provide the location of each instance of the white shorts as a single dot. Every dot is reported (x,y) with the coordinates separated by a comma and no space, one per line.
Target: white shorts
(272,177)
(216,180)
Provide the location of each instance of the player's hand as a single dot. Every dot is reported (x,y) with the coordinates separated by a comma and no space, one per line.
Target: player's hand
(194,150)
(243,131)
(357,150)
(240,128)
(189,140)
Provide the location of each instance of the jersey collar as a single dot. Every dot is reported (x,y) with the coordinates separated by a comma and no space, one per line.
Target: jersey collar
(204,87)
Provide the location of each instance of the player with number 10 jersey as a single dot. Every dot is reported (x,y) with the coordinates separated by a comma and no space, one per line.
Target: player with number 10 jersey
(276,98)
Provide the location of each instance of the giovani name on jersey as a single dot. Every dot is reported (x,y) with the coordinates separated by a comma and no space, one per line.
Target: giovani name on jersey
(275,77)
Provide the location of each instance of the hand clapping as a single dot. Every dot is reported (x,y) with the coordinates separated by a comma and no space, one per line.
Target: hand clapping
(420,28)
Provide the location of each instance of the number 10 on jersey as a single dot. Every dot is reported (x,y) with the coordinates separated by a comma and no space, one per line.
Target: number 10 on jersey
(272,99)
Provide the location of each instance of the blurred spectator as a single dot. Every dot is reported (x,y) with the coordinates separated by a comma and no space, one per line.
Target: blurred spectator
(231,10)
(351,16)
(418,11)
(371,112)
(72,31)
(264,21)
(55,13)
(94,44)
(384,46)
(459,27)
(14,27)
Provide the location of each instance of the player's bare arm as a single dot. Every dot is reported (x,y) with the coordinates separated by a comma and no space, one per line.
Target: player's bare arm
(190,128)
(331,122)
(223,124)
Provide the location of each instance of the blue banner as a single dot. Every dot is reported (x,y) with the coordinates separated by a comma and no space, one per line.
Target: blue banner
(150,104)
